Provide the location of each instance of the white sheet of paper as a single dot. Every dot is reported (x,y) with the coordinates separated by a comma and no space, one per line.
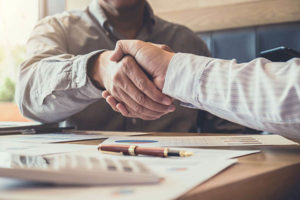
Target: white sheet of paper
(51,137)
(107,133)
(41,149)
(177,177)
(66,137)
(17,124)
(74,169)
(202,141)
(214,154)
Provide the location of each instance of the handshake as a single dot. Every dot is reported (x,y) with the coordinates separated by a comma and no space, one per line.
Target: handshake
(133,76)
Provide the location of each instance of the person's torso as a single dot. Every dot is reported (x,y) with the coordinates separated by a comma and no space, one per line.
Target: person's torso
(84,35)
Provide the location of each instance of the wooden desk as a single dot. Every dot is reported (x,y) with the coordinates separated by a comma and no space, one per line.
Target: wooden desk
(274,173)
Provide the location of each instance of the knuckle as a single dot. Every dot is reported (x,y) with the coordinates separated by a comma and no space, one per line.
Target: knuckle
(126,67)
(139,43)
(138,109)
(116,78)
(140,99)
(126,62)
(141,84)
(125,87)
(164,47)
(157,96)
(114,91)
(118,43)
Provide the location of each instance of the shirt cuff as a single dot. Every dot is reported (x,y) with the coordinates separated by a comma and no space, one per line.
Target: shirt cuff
(82,80)
(183,77)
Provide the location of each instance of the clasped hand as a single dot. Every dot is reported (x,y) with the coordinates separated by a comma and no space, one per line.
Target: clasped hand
(123,74)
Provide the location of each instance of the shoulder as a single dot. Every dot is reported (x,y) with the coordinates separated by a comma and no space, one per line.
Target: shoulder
(65,18)
(180,37)
(64,26)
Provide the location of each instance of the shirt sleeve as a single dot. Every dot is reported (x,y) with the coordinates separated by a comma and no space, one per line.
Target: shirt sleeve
(260,94)
(53,84)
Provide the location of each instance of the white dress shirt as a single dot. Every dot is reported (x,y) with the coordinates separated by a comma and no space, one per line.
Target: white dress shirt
(260,94)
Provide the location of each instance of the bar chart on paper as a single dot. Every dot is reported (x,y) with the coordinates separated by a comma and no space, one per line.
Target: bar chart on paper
(198,141)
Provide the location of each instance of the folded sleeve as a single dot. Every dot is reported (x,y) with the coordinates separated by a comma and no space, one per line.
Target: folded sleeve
(53,84)
(260,94)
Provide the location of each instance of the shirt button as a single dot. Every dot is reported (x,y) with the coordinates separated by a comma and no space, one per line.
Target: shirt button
(53,96)
(133,121)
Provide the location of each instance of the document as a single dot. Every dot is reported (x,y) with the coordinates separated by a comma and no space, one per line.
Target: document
(176,178)
(107,133)
(76,170)
(41,149)
(70,136)
(51,137)
(18,124)
(202,141)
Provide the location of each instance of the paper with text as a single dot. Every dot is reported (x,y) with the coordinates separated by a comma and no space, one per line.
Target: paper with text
(177,177)
(202,141)
(41,149)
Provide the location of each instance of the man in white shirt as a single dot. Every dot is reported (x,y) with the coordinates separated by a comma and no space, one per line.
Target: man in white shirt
(260,94)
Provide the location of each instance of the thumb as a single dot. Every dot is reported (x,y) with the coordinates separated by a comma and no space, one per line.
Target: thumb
(163,47)
(125,47)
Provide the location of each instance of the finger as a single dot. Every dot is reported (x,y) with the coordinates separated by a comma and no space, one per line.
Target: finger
(163,46)
(105,94)
(141,81)
(112,102)
(141,99)
(122,109)
(131,113)
(119,107)
(125,47)
(137,109)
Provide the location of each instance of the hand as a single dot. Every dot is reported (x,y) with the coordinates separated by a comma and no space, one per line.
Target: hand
(128,84)
(152,57)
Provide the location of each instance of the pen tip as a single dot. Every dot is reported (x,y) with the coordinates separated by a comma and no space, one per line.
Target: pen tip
(188,154)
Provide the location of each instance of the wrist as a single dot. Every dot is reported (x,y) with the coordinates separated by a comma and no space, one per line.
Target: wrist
(166,61)
(96,69)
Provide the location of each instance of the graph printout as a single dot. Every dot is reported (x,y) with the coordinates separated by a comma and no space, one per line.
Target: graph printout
(202,141)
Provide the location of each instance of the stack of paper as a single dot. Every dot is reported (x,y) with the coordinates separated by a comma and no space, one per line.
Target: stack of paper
(177,176)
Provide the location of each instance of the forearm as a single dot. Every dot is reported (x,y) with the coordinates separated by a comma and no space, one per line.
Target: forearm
(54,88)
(259,94)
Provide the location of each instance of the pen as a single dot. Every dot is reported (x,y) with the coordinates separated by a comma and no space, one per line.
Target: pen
(134,150)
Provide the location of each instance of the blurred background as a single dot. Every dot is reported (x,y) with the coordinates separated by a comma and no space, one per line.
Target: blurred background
(231,29)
